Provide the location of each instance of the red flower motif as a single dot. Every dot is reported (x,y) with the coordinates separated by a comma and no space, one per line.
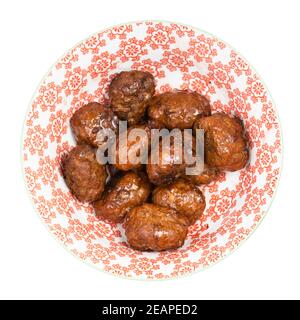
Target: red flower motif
(269,117)
(101,93)
(102,64)
(239,104)
(132,49)
(35,140)
(182,31)
(119,32)
(266,156)
(57,126)
(49,96)
(63,202)
(177,60)
(164,88)
(80,100)
(44,207)
(220,74)
(93,44)
(148,65)
(254,201)
(247,179)
(237,237)
(256,90)
(33,114)
(195,81)
(239,65)
(160,36)
(47,171)
(255,132)
(220,204)
(230,223)
(75,81)
(272,180)
(80,230)
(221,45)
(213,255)
(218,106)
(202,48)
(61,233)
(31,178)
(68,60)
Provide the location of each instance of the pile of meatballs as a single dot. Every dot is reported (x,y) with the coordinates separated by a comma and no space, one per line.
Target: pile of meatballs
(156,202)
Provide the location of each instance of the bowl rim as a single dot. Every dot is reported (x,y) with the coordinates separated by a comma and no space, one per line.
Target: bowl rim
(185,274)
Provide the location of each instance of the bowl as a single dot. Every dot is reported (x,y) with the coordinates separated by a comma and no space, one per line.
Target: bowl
(179,57)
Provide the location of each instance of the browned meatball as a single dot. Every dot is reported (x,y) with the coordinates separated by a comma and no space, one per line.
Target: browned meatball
(181,196)
(138,147)
(225,145)
(130,92)
(83,174)
(168,166)
(155,228)
(178,109)
(89,119)
(205,177)
(126,192)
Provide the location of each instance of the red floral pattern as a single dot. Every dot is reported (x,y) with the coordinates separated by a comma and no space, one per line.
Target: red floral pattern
(148,65)
(160,36)
(75,80)
(239,103)
(68,60)
(198,82)
(132,49)
(119,32)
(239,65)
(178,57)
(202,48)
(220,74)
(93,44)
(57,126)
(102,64)
(50,96)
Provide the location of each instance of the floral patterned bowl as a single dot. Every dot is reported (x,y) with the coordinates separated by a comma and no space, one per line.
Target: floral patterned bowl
(179,57)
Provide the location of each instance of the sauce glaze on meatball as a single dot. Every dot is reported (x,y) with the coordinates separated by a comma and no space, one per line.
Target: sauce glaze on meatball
(83,174)
(225,144)
(124,193)
(87,121)
(178,109)
(171,163)
(155,228)
(130,92)
(138,147)
(181,196)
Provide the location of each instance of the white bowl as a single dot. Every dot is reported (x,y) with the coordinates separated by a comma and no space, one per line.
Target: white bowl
(179,57)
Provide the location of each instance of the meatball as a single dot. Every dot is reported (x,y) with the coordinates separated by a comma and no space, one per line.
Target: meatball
(178,109)
(205,177)
(170,165)
(225,145)
(181,196)
(123,194)
(89,119)
(134,149)
(130,92)
(83,174)
(155,228)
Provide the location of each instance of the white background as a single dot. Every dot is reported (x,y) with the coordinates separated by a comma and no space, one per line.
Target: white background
(33,35)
